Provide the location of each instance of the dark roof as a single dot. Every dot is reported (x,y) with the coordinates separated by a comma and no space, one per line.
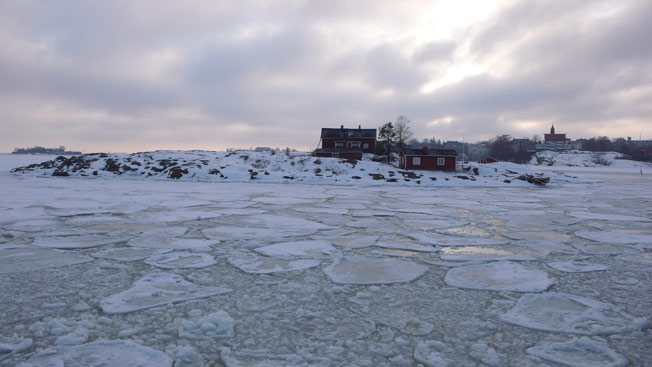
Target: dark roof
(431,152)
(339,133)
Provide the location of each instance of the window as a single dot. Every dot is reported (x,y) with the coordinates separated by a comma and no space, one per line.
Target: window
(441,161)
(339,144)
(355,144)
(416,161)
(365,146)
(335,155)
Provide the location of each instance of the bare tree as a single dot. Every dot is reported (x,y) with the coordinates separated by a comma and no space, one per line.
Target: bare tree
(403,131)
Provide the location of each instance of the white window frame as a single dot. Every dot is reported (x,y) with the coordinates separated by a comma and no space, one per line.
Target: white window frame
(340,144)
(335,155)
(441,161)
(416,161)
(355,144)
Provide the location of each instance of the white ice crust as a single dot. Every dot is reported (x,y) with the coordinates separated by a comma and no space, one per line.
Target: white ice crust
(499,276)
(157,289)
(558,312)
(371,270)
(106,353)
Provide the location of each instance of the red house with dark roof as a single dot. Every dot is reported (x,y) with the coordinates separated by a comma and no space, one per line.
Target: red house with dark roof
(346,143)
(428,159)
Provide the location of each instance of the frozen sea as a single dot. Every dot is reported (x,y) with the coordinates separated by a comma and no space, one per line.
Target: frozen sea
(118,272)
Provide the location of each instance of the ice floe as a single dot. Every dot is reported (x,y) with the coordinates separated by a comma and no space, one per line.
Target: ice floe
(253,264)
(605,249)
(157,289)
(245,233)
(172,243)
(499,276)
(609,217)
(355,241)
(576,266)
(310,248)
(28,259)
(564,313)
(406,246)
(430,354)
(582,352)
(181,260)
(480,253)
(124,353)
(615,237)
(76,241)
(127,254)
(447,240)
(642,258)
(280,221)
(373,270)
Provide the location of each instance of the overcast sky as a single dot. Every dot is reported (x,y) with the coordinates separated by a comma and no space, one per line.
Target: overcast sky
(142,75)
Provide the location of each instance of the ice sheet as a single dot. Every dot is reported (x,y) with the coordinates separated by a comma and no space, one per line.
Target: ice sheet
(172,243)
(481,253)
(246,233)
(157,289)
(623,238)
(499,276)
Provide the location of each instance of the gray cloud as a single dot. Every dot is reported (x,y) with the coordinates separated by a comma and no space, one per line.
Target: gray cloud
(146,75)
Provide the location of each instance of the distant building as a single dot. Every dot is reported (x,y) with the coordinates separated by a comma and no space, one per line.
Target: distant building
(428,159)
(346,143)
(554,141)
(487,160)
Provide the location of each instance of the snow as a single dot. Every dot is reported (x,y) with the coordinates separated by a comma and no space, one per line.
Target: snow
(577,158)
(576,266)
(367,270)
(499,276)
(582,352)
(122,353)
(564,313)
(157,289)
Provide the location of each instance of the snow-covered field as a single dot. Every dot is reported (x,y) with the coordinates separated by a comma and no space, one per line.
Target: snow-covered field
(125,272)
(577,158)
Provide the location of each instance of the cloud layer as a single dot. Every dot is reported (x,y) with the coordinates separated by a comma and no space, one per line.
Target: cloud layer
(129,76)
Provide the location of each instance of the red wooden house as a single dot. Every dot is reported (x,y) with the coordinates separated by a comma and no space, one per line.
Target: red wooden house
(487,160)
(346,143)
(428,159)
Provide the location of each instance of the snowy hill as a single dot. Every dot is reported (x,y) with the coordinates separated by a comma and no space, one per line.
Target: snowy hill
(576,158)
(275,167)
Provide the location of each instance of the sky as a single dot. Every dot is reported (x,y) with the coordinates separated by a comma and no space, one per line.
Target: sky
(127,76)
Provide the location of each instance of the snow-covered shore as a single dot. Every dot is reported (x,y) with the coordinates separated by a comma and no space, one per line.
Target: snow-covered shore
(278,167)
(577,158)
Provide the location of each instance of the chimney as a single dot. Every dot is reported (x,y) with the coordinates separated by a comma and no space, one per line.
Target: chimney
(359,127)
(425,149)
(342,127)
